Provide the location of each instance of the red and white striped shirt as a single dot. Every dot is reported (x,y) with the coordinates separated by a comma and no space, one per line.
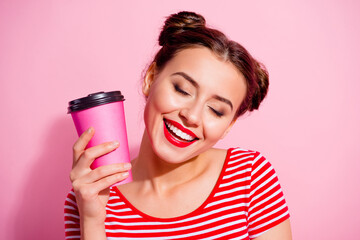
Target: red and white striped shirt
(246,202)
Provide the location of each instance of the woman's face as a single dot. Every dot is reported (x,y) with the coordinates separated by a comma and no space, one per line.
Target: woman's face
(191,103)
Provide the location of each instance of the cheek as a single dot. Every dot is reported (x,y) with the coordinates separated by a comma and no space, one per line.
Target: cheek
(160,101)
(147,117)
(215,129)
(164,101)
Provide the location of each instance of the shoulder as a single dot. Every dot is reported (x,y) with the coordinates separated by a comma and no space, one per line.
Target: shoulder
(246,154)
(237,153)
(230,152)
(238,159)
(254,161)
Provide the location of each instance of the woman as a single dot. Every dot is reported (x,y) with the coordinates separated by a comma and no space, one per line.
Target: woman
(196,87)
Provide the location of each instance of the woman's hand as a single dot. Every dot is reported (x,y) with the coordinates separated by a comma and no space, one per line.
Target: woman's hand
(91,187)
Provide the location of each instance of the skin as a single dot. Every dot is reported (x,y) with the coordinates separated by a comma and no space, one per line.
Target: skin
(166,175)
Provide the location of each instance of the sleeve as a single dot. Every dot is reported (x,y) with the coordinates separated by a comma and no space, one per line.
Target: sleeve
(71,217)
(267,206)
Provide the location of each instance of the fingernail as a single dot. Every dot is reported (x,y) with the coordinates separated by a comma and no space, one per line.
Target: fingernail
(114,144)
(89,130)
(124,174)
(127,165)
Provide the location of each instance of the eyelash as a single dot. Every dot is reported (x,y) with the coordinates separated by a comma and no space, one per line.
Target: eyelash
(217,113)
(179,90)
(182,92)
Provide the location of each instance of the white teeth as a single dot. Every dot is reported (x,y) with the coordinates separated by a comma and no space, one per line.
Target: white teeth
(183,135)
(179,133)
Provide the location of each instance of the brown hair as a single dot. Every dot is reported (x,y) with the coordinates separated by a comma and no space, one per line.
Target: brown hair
(188,29)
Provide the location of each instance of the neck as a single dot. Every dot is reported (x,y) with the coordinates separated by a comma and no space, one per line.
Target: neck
(161,175)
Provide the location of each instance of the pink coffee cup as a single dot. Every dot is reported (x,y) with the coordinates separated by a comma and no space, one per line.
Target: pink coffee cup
(104,111)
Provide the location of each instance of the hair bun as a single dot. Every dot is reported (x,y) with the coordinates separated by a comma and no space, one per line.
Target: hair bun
(178,23)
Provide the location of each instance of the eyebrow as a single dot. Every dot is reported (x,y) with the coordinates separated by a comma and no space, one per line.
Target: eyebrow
(195,84)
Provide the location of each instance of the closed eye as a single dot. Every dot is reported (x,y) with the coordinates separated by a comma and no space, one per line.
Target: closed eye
(216,112)
(179,90)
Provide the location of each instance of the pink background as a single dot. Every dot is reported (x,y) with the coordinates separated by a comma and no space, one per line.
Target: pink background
(308,127)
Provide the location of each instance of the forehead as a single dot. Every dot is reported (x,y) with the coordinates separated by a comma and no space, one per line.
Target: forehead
(209,71)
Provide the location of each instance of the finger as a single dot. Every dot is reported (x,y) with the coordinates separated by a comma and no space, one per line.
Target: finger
(88,156)
(107,182)
(106,171)
(82,142)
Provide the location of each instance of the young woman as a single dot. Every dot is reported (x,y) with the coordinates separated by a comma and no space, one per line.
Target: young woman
(196,87)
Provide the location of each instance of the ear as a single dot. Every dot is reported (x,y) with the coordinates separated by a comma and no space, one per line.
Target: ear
(228,129)
(148,79)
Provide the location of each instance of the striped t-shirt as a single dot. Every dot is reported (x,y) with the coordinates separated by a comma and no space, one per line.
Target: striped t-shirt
(246,201)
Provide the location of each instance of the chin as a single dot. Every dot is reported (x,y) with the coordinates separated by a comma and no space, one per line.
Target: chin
(174,155)
(173,147)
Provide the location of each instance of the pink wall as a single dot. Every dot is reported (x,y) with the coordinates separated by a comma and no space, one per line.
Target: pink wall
(54,51)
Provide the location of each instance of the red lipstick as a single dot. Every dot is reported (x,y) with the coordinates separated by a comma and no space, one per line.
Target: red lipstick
(174,140)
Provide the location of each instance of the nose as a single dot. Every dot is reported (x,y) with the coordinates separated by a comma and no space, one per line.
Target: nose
(192,114)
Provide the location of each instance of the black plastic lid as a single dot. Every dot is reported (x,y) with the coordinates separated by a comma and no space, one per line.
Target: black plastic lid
(94,99)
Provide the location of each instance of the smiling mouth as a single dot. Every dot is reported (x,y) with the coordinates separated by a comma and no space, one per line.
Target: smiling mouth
(178,135)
